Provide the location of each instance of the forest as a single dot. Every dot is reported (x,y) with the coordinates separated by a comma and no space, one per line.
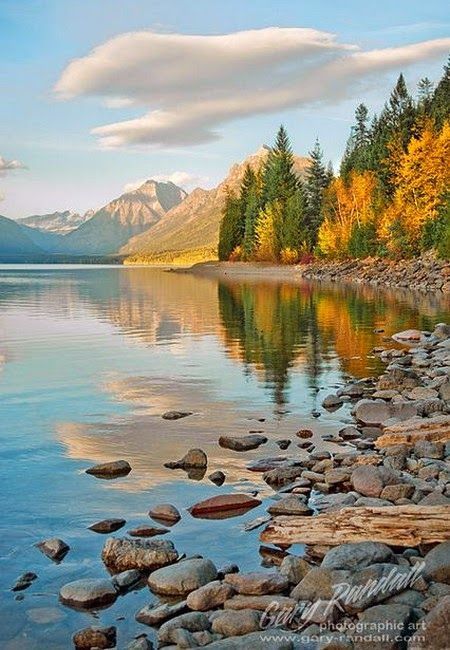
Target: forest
(389,199)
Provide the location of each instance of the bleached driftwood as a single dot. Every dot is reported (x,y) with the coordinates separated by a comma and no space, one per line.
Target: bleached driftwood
(395,525)
(411,431)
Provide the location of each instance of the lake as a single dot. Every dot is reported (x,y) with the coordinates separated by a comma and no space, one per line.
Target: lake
(91,357)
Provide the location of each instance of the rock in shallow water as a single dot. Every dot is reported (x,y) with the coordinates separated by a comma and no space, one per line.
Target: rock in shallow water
(211,595)
(257,583)
(110,470)
(242,443)
(24,581)
(218,477)
(224,505)
(107,525)
(95,637)
(120,554)
(147,531)
(155,615)
(291,505)
(182,578)
(88,593)
(165,512)
(194,458)
(175,415)
(54,548)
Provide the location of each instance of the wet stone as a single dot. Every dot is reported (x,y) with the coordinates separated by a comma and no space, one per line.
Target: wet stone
(54,548)
(107,525)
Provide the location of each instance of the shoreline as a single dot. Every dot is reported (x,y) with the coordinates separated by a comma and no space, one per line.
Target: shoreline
(425,274)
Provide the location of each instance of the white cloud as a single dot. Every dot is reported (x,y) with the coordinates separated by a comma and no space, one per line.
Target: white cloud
(191,85)
(9,165)
(184,180)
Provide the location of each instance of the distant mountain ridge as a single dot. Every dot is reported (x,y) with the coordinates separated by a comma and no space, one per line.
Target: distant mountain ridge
(59,223)
(193,225)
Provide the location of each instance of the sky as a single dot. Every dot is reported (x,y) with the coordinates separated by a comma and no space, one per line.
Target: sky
(98,95)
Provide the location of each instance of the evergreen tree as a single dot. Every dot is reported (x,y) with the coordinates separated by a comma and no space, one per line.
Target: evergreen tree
(231,230)
(317,179)
(279,178)
(440,103)
(293,229)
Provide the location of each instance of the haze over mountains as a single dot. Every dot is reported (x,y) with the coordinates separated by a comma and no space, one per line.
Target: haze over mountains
(158,221)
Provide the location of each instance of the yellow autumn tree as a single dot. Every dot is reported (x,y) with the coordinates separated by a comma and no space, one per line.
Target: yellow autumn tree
(266,229)
(348,204)
(422,179)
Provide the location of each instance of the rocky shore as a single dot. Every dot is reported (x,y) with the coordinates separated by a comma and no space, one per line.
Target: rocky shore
(373,513)
(424,274)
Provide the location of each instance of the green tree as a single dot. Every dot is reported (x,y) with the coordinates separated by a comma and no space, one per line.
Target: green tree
(231,230)
(317,180)
(293,228)
(440,104)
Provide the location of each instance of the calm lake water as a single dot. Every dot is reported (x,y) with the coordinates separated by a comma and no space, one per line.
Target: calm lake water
(90,357)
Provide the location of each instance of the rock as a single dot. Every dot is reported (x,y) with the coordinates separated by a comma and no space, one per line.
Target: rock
(427,449)
(332,402)
(304,433)
(182,578)
(141,643)
(319,583)
(126,580)
(217,477)
(110,470)
(95,637)
(437,563)
(357,555)
(253,641)
(224,505)
(399,491)
(371,502)
(389,578)
(147,531)
(192,622)
(107,525)
(434,499)
(408,335)
(175,415)
(294,569)
(284,443)
(257,583)
(156,615)
(420,392)
(382,624)
(165,512)
(229,623)
(194,458)
(282,475)
(121,554)
(24,581)
(88,593)
(367,481)
(372,412)
(54,548)
(336,476)
(260,603)
(291,505)
(242,443)
(266,464)
(433,631)
(256,523)
(334,641)
(211,595)
(333,502)
(226,569)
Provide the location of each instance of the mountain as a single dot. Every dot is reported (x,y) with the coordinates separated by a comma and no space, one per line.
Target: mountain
(191,229)
(14,240)
(59,223)
(132,213)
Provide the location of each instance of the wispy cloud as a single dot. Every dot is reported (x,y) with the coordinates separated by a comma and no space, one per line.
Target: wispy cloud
(7,166)
(411,28)
(184,180)
(192,85)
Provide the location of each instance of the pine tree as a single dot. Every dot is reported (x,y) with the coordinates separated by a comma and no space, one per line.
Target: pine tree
(231,230)
(317,180)
(440,104)
(279,178)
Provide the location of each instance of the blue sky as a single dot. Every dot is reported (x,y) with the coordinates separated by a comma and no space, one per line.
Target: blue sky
(68,167)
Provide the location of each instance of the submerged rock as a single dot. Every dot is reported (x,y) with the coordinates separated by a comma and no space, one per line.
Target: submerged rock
(175,415)
(54,548)
(224,505)
(217,477)
(147,531)
(88,593)
(95,637)
(194,458)
(112,469)
(24,581)
(120,554)
(182,578)
(242,443)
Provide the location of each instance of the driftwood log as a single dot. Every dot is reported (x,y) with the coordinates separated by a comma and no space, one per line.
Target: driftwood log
(394,525)
(411,431)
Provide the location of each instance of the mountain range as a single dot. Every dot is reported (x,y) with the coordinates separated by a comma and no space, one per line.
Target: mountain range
(156,222)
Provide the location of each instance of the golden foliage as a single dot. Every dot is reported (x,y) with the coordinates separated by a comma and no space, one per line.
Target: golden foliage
(266,233)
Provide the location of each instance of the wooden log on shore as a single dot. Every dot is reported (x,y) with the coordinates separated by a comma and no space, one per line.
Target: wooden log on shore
(411,431)
(393,525)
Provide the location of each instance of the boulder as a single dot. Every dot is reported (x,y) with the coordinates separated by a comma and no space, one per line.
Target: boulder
(165,512)
(282,475)
(428,449)
(121,554)
(107,525)
(319,583)
(332,402)
(147,531)
(382,624)
(257,583)
(408,336)
(357,555)
(242,443)
(294,569)
(437,563)
(398,491)
(217,477)
(366,480)
(141,643)
(126,580)
(210,596)
(260,603)
(230,624)
(253,641)
(192,622)
(433,631)
(372,412)
(88,594)
(175,415)
(194,458)
(110,470)
(95,637)
(54,548)
(182,578)
(290,505)
(155,615)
